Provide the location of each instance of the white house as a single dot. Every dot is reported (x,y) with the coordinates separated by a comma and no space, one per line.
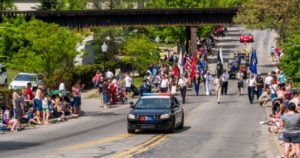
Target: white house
(26,5)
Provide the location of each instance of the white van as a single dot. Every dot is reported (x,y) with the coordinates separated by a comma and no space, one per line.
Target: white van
(3,75)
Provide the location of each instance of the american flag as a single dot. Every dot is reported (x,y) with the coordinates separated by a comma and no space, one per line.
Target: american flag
(188,63)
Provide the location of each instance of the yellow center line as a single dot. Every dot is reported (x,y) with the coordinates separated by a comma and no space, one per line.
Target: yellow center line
(141,147)
(96,142)
(153,141)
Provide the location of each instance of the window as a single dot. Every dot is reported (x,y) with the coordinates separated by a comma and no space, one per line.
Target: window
(149,103)
(3,69)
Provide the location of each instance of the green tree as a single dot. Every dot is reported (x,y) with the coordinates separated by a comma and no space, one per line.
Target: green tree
(290,62)
(192,3)
(7,5)
(140,51)
(280,15)
(115,47)
(39,47)
(62,4)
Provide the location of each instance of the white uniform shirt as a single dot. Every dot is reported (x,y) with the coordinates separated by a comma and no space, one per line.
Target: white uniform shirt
(128,81)
(164,83)
(109,74)
(268,80)
(182,82)
(251,82)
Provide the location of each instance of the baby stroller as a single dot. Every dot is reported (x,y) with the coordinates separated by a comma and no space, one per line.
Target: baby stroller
(121,98)
(134,90)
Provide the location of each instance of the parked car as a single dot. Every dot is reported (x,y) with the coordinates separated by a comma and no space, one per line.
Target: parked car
(22,79)
(246,37)
(3,75)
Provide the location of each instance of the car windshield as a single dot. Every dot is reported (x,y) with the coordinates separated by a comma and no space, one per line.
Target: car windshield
(24,77)
(151,103)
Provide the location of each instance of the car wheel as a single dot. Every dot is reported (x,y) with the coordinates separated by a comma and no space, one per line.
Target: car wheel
(129,130)
(182,122)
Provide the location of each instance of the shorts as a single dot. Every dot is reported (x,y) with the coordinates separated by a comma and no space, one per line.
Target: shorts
(291,137)
(45,109)
(37,105)
(128,89)
(105,98)
(19,114)
(240,84)
(76,102)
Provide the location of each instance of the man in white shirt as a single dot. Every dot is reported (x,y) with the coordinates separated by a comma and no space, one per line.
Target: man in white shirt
(208,81)
(183,82)
(109,74)
(62,86)
(217,84)
(128,81)
(251,83)
(268,80)
(225,78)
(164,85)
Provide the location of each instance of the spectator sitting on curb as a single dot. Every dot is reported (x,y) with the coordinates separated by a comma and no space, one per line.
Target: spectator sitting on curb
(10,122)
(265,97)
(32,118)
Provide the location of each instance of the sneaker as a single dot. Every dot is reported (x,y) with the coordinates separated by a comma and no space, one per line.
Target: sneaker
(262,122)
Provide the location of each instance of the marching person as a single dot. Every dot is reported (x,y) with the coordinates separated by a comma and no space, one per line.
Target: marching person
(225,78)
(197,81)
(183,82)
(208,81)
(217,85)
(251,83)
(240,78)
(259,85)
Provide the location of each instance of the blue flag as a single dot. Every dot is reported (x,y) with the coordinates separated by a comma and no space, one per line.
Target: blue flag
(253,62)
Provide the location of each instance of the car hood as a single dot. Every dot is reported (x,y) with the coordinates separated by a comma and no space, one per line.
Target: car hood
(21,84)
(149,111)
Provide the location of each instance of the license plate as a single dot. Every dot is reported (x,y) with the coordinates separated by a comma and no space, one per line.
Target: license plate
(148,119)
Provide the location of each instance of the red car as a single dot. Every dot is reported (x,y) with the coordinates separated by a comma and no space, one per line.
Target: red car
(246,37)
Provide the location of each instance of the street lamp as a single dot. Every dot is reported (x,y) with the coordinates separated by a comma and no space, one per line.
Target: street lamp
(104,50)
(166,40)
(157,40)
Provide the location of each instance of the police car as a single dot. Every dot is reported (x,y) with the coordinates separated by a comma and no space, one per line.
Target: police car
(155,112)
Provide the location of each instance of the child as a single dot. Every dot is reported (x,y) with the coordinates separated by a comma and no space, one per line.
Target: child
(31,118)
(45,107)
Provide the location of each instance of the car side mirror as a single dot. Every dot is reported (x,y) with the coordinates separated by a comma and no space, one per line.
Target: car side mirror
(131,105)
(172,105)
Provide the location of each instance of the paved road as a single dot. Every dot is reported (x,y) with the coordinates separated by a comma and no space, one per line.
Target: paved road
(226,130)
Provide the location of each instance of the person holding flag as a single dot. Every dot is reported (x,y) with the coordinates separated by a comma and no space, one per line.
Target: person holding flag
(180,63)
(220,62)
(253,62)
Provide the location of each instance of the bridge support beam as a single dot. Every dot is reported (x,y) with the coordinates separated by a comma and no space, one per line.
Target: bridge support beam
(191,32)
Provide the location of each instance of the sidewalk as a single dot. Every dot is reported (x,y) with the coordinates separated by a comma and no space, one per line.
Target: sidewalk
(92,104)
(89,106)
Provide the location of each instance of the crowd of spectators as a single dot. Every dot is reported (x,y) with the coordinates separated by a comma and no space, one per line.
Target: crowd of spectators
(284,118)
(36,106)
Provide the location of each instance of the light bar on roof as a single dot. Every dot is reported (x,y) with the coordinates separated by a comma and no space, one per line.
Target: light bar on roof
(157,94)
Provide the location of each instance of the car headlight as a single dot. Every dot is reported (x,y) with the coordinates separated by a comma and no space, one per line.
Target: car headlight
(130,116)
(165,116)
